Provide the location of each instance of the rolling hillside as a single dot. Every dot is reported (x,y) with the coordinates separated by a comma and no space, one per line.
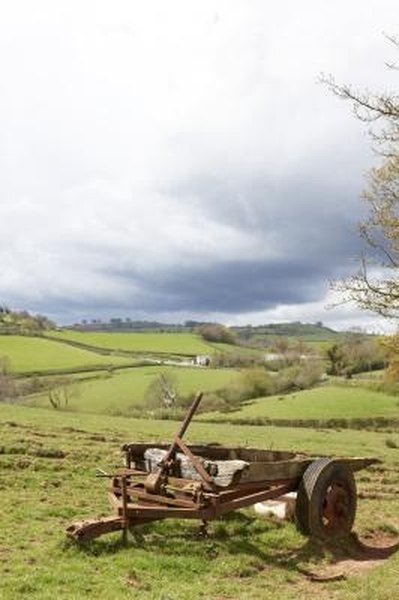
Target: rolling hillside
(119,392)
(27,354)
(327,402)
(186,344)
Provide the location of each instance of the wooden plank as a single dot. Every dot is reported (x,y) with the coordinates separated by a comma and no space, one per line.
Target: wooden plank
(291,469)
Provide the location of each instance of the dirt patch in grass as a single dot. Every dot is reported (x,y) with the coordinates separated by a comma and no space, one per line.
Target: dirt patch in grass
(352,556)
(387,541)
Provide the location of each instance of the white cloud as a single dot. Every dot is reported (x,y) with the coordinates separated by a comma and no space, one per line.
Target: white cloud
(140,139)
(329,310)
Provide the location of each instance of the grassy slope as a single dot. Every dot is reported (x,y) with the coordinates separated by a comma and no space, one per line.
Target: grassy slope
(320,403)
(222,347)
(177,343)
(119,391)
(35,354)
(243,558)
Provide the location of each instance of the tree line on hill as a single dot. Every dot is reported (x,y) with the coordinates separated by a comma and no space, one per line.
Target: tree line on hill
(125,324)
(15,322)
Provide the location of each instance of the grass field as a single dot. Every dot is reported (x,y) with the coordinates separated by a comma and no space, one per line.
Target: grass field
(167,343)
(325,402)
(37,354)
(47,463)
(48,458)
(315,342)
(222,347)
(119,391)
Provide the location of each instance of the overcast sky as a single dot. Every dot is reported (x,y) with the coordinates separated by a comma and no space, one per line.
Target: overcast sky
(178,159)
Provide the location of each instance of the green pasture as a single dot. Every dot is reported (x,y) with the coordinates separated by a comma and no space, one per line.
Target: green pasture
(324,402)
(320,346)
(117,392)
(47,465)
(167,343)
(39,354)
(257,354)
(311,340)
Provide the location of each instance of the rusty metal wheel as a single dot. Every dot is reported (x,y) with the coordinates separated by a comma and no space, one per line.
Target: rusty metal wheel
(326,503)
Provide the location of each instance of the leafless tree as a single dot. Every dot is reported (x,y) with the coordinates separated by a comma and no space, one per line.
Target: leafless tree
(375,286)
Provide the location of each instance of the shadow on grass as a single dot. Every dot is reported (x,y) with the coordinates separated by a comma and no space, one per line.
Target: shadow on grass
(259,542)
(111,544)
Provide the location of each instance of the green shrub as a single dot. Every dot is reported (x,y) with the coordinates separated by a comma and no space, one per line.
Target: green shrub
(237,358)
(214,332)
(391,443)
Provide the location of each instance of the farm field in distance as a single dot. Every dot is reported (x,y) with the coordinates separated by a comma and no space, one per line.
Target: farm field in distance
(48,459)
(47,465)
(323,402)
(119,391)
(40,354)
(166,343)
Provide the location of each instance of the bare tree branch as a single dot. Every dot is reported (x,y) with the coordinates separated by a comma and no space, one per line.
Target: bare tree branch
(380,230)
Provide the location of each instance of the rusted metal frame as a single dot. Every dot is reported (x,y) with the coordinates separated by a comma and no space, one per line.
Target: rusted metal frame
(90,529)
(207,513)
(182,492)
(174,482)
(167,494)
(232,494)
(198,466)
(216,507)
(254,487)
(137,495)
(179,435)
(172,490)
(225,507)
(125,517)
(182,486)
(232,499)
(153,510)
(155,513)
(154,480)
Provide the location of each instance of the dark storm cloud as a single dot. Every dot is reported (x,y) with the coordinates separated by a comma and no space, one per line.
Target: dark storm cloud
(236,286)
(230,287)
(298,234)
(310,226)
(314,248)
(318,205)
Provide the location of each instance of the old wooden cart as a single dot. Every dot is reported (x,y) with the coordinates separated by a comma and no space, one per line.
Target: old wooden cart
(206,481)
